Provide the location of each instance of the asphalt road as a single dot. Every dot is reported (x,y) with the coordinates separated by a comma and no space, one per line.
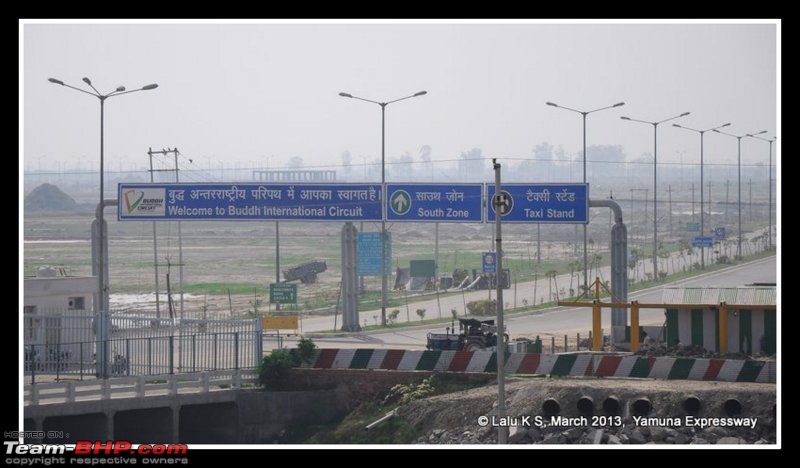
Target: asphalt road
(555,321)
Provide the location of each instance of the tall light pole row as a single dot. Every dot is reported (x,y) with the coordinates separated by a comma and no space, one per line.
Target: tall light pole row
(101,291)
(655,183)
(584,114)
(770,141)
(739,189)
(384,277)
(702,217)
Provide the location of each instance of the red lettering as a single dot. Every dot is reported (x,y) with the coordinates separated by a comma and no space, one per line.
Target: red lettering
(83,447)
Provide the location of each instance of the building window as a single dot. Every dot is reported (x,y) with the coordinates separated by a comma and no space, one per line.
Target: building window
(76,303)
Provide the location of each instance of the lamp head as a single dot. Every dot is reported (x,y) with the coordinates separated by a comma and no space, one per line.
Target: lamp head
(87,81)
(684,114)
(625,118)
(676,125)
(149,87)
(551,104)
(619,104)
(345,95)
(120,89)
(420,93)
(53,80)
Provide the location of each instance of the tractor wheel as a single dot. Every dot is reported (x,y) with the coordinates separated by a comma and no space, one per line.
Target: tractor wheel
(473,346)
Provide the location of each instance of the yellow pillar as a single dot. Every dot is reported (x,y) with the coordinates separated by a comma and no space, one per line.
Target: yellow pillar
(597,334)
(723,327)
(597,288)
(634,326)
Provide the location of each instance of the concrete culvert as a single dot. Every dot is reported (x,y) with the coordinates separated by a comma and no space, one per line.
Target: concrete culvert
(551,407)
(642,407)
(585,405)
(732,406)
(692,404)
(611,405)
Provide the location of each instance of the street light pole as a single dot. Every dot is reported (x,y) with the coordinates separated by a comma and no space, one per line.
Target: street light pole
(739,184)
(702,225)
(655,183)
(102,292)
(585,226)
(384,277)
(769,233)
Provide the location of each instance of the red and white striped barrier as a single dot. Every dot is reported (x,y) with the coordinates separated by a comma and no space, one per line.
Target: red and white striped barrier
(591,365)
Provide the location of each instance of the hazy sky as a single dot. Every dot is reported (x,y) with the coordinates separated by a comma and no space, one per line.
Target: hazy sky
(245,92)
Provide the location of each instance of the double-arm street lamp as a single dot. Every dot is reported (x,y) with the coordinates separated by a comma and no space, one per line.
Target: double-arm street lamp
(655,183)
(584,114)
(769,242)
(739,165)
(702,225)
(102,292)
(384,279)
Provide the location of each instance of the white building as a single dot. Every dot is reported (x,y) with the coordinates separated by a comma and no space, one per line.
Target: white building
(57,315)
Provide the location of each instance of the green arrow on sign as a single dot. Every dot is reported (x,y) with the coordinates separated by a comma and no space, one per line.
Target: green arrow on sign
(400,202)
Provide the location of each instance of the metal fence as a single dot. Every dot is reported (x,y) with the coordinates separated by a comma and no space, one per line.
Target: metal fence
(58,346)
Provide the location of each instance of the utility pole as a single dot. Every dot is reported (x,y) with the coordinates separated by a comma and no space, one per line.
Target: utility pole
(669,190)
(750,203)
(165,152)
(727,186)
(155,243)
(500,205)
(709,199)
(693,200)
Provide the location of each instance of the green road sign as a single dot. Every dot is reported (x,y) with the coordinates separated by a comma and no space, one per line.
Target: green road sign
(283,293)
(693,227)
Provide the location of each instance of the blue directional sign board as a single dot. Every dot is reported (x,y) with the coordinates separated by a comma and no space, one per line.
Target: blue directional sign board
(369,253)
(248,201)
(719,233)
(542,203)
(489,262)
(703,241)
(441,203)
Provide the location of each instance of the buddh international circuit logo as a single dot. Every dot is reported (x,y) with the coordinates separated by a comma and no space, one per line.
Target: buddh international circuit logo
(132,200)
(144,202)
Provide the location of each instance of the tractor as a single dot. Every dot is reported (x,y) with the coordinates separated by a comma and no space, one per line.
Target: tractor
(473,335)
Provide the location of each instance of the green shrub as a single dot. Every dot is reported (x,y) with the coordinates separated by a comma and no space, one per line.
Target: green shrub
(274,368)
(482,307)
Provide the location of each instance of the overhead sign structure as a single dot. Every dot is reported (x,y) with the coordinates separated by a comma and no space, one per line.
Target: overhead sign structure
(369,253)
(248,201)
(489,262)
(719,233)
(283,293)
(703,241)
(441,203)
(541,203)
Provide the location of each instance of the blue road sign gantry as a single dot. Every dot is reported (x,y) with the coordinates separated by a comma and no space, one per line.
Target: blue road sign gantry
(703,241)
(542,203)
(441,203)
(248,201)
